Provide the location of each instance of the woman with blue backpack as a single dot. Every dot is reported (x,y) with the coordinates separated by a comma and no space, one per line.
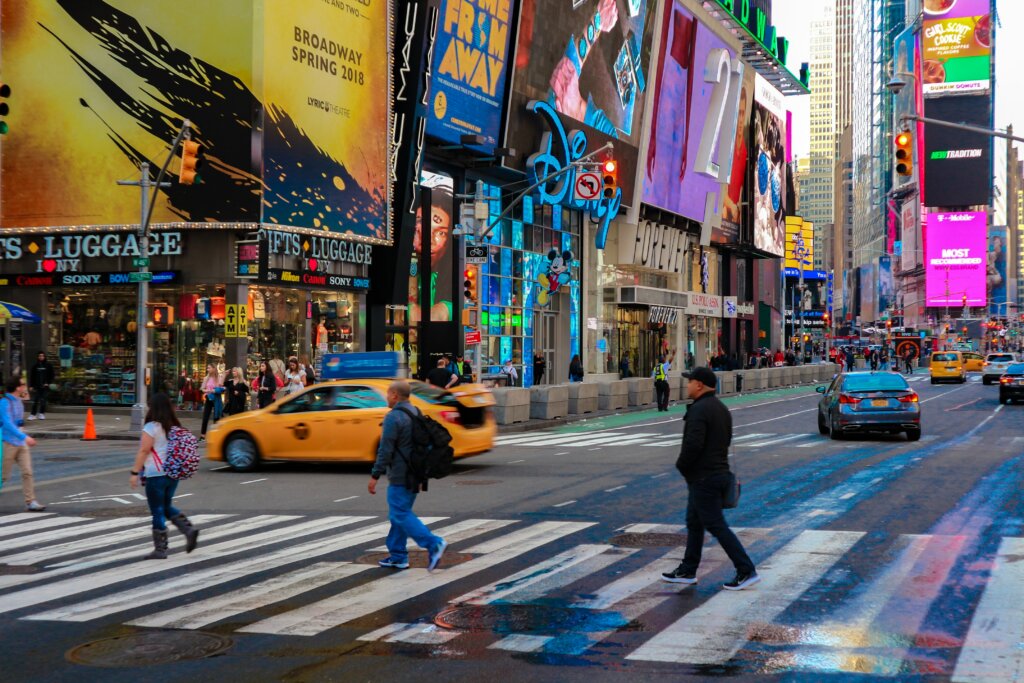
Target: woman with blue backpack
(167,453)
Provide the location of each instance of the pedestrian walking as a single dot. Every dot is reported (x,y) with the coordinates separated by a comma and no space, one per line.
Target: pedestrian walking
(266,385)
(576,369)
(238,392)
(40,379)
(441,376)
(294,377)
(149,464)
(661,373)
(393,456)
(704,463)
(16,443)
(212,391)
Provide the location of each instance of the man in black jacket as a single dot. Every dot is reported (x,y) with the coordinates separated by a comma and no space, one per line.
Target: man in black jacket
(704,463)
(40,378)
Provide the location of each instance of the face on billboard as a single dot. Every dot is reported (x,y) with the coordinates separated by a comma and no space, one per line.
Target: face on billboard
(995,270)
(589,59)
(470,56)
(682,117)
(731,213)
(955,258)
(769,150)
(958,164)
(956,43)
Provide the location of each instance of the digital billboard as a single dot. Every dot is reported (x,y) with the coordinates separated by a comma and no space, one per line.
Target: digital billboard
(732,214)
(886,284)
(995,270)
(683,116)
(590,60)
(956,255)
(956,46)
(799,243)
(905,102)
(769,148)
(957,163)
(470,56)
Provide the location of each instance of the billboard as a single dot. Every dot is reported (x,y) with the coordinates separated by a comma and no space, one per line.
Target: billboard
(289,101)
(769,146)
(468,85)
(869,293)
(886,284)
(905,102)
(910,244)
(995,270)
(732,214)
(956,46)
(958,164)
(799,243)
(955,258)
(683,117)
(590,61)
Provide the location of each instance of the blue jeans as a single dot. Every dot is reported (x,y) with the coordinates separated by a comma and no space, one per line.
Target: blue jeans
(159,492)
(405,524)
(704,513)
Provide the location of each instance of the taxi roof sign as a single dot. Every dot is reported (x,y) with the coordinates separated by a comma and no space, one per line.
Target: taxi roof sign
(371,365)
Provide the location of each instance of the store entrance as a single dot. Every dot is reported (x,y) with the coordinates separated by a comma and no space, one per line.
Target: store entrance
(544,344)
(639,340)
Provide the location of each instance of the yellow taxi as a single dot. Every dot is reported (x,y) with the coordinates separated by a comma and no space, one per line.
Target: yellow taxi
(973,362)
(341,421)
(948,366)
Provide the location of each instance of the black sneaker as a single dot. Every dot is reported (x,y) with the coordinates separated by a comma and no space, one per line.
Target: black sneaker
(741,581)
(680,575)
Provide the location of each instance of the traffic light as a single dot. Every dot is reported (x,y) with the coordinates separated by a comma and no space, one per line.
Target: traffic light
(191,161)
(965,301)
(159,315)
(905,154)
(469,286)
(5,92)
(609,178)
(827,318)
(965,330)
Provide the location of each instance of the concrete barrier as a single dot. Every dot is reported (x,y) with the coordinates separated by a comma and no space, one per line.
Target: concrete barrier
(808,373)
(512,405)
(548,402)
(613,395)
(640,391)
(583,398)
(726,383)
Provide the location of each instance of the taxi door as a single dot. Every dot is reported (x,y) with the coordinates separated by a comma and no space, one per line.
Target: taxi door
(300,429)
(355,418)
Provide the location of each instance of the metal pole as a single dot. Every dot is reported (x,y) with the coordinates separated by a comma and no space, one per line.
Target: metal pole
(962,126)
(479,351)
(141,331)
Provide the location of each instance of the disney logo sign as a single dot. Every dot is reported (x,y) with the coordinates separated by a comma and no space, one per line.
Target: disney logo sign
(559,152)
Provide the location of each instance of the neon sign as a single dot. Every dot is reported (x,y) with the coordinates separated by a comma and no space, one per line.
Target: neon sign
(558,153)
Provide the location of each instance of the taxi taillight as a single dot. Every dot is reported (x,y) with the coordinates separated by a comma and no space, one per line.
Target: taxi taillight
(451,417)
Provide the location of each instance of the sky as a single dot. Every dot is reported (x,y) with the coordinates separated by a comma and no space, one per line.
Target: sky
(794,21)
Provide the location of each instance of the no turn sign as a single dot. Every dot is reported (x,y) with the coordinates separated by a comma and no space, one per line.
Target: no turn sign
(588,186)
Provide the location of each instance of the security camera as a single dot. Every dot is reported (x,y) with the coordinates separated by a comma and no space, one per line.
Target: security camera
(896,85)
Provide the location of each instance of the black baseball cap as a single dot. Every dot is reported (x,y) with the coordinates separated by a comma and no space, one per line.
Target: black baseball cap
(703,375)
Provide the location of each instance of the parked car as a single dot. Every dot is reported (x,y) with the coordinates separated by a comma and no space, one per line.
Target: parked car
(1011,384)
(946,366)
(995,366)
(869,402)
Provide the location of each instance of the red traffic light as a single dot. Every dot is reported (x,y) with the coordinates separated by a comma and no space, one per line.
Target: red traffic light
(902,139)
(610,166)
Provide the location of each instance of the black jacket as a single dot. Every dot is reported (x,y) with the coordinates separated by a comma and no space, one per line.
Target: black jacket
(41,375)
(706,437)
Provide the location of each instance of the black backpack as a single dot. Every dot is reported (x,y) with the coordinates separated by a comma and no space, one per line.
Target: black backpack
(432,455)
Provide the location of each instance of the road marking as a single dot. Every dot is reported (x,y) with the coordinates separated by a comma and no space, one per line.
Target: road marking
(520,642)
(992,650)
(218,469)
(847,496)
(39,525)
(957,407)
(251,481)
(748,437)
(594,449)
(77,531)
(376,595)
(563,453)
(460,531)
(423,634)
(780,417)
(513,462)
(715,631)
(472,469)
(22,516)
(616,488)
(772,442)
(944,393)
(75,495)
(663,474)
(342,500)
(568,502)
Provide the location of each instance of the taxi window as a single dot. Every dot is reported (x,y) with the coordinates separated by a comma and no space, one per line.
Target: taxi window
(356,398)
(945,357)
(312,400)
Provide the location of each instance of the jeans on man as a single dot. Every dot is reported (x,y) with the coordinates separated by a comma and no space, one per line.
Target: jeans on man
(405,524)
(662,392)
(704,513)
(159,493)
(39,404)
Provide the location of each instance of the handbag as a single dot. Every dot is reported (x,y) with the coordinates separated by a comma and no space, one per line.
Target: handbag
(731,497)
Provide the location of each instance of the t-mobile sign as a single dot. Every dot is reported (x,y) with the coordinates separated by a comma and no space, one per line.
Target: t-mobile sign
(955,258)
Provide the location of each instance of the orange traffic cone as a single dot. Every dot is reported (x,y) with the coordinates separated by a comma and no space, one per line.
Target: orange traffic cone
(90,427)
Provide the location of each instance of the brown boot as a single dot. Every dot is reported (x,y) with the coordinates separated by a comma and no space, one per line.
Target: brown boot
(190,532)
(159,545)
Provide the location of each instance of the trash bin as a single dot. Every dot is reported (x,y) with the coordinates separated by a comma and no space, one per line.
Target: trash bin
(739,382)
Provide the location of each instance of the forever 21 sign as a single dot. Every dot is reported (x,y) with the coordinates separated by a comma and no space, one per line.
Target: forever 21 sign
(655,246)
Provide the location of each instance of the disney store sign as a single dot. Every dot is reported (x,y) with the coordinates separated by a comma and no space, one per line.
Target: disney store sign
(559,152)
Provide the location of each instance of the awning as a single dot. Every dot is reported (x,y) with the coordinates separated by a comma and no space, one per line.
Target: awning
(9,311)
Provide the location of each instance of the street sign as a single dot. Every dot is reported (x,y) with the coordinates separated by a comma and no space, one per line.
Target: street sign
(140,277)
(140,262)
(231,320)
(588,186)
(476,254)
(472,337)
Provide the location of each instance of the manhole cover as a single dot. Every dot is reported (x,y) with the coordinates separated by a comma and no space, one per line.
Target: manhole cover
(476,482)
(418,559)
(648,540)
(8,569)
(512,618)
(125,511)
(64,458)
(148,648)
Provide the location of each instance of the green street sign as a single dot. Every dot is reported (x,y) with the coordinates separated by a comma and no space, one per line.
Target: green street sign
(140,277)
(140,262)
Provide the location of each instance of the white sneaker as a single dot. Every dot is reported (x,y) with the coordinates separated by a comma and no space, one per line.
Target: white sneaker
(35,506)
(41,416)
(31,417)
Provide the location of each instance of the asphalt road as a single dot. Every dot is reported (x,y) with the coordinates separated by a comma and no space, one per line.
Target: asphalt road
(881,559)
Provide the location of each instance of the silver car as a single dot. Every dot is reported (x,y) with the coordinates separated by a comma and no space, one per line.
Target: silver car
(869,402)
(995,365)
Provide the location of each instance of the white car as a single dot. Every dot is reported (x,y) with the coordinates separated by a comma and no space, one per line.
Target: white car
(995,366)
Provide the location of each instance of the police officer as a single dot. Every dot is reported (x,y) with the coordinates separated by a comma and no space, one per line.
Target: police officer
(660,375)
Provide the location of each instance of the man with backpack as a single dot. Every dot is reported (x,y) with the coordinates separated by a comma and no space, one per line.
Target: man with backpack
(400,457)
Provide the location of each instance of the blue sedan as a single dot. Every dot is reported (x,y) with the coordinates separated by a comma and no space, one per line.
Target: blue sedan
(869,402)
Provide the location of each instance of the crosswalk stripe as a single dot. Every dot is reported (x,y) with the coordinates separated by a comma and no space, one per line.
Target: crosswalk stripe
(22,516)
(214,576)
(715,631)
(460,531)
(772,442)
(992,650)
(538,579)
(555,440)
(634,439)
(51,552)
(520,642)
(56,590)
(424,634)
(749,437)
(80,530)
(376,595)
(33,527)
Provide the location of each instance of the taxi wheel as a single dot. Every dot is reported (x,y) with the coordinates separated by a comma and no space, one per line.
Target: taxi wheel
(241,453)
(913,435)
(985,381)
(933,380)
